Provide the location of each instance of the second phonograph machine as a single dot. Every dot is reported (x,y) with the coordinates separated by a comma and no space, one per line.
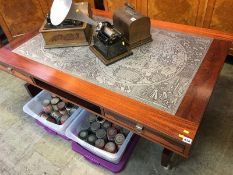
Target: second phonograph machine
(71,24)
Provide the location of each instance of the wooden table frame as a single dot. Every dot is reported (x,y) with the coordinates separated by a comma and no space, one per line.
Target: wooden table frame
(153,124)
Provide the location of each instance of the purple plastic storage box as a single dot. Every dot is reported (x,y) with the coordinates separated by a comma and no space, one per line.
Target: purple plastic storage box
(115,168)
(75,127)
(51,131)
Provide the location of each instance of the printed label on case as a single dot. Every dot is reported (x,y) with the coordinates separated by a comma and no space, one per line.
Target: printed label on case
(187,140)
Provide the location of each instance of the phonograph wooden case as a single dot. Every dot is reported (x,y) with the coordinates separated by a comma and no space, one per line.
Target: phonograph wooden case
(134,26)
(70,32)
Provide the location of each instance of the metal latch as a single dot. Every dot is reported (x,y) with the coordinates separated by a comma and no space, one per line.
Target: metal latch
(139,128)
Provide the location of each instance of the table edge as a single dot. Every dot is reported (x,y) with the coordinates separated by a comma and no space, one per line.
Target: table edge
(171,125)
(113,101)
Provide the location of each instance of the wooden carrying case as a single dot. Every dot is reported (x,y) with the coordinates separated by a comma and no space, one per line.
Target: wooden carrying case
(133,25)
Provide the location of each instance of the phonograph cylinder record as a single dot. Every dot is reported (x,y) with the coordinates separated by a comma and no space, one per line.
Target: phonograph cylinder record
(99,143)
(91,139)
(110,147)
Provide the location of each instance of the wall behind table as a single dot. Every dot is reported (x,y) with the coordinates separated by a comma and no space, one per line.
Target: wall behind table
(19,17)
(213,14)
(90,1)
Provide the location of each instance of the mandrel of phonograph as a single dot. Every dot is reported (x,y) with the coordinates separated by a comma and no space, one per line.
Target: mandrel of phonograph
(109,44)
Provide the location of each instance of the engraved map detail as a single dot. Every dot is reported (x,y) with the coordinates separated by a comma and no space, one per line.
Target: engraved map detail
(158,73)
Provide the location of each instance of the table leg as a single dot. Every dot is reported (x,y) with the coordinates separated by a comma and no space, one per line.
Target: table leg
(166,157)
(32,90)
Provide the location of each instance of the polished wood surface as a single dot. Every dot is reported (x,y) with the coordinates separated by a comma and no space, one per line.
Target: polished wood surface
(197,96)
(214,14)
(112,5)
(20,17)
(124,106)
(182,12)
(159,126)
(222,16)
(180,28)
(49,2)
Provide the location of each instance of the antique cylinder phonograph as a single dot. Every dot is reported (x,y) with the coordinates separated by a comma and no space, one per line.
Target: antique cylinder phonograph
(108,43)
(71,24)
(62,29)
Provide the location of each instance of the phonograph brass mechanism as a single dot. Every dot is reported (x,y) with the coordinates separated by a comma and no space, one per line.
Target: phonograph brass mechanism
(108,43)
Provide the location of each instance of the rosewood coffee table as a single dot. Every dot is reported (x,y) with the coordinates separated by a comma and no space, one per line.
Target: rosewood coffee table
(159,93)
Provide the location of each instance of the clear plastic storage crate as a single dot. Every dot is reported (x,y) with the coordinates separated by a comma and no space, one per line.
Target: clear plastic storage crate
(34,107)
(73,130)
